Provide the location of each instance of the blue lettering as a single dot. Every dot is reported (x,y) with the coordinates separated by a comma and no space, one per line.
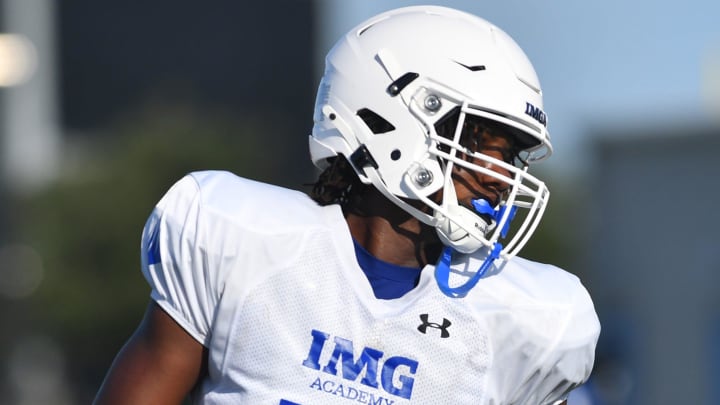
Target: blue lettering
(339,391)
(367,364)
(406,383)
(379,400)
(536,113)
(346,392)
(326,384)
(313,359)
(350,370)
(316,384)
(352,393)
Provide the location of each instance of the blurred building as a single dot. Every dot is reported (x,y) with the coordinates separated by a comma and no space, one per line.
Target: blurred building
(655,264)
(254,58)
(92,63)
(29,126)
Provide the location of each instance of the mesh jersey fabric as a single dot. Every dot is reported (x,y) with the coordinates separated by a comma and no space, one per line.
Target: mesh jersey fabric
(268,281)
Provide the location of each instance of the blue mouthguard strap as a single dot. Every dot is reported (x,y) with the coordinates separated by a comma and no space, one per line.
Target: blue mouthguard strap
(442,272)
(442,269)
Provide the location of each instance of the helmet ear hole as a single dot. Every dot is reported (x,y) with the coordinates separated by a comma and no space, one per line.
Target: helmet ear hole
(395,154)
(376,123)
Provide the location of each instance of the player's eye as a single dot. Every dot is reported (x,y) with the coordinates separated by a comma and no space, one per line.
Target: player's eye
(477,137)
(480,139)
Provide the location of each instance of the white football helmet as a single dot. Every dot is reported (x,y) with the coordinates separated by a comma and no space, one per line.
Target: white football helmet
(391,80)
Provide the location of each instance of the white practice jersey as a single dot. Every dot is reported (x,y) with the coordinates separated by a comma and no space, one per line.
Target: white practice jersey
(268,281)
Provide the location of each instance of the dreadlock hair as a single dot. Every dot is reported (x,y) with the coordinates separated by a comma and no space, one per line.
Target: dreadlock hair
(338,184)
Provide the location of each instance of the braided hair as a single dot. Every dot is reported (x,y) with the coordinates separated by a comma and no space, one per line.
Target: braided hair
(338,184)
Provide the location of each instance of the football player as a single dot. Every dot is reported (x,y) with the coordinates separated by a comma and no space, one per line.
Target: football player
(397,280)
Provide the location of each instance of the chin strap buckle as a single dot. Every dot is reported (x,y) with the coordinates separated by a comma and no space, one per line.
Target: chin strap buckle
(362,158)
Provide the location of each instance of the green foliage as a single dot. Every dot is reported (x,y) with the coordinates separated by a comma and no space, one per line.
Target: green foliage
(558,239)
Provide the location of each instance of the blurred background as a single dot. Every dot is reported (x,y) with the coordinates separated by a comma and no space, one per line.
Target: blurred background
(104,105)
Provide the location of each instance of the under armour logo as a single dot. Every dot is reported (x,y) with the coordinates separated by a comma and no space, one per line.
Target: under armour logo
(443,328)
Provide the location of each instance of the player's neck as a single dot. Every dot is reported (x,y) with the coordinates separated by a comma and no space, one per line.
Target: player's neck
(391,234)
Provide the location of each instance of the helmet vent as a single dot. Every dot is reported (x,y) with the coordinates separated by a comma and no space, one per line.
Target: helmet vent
(376,123)
(474,68)
(365,28)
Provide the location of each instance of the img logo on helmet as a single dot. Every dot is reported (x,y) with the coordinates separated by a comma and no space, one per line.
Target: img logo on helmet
(536,113)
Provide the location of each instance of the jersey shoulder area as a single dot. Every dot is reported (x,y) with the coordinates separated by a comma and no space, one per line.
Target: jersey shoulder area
(541,281)
(554,324)
(214,235)
(221,224)
(547,300)
(253,204)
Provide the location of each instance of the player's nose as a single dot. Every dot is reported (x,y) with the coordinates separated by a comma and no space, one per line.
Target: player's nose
(495,175)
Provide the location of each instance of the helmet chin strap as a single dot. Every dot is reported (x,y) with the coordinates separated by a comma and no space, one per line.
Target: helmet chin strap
(450,232)
(442,269)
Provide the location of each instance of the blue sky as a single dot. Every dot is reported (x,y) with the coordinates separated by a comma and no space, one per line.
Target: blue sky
(602,65)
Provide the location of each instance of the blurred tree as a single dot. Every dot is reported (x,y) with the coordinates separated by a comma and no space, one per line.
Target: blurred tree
(561,235)
(87,226)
